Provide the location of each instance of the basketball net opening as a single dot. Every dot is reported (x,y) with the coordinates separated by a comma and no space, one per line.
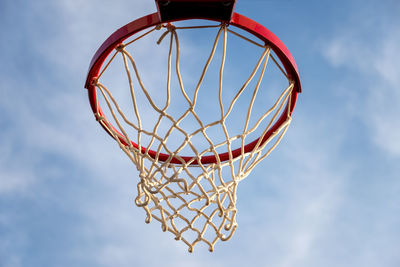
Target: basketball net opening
(194,201)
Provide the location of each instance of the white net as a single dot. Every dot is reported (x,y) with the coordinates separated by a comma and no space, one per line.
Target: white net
(193,199)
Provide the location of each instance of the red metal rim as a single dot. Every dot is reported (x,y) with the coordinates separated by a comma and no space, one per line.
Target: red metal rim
(239,21)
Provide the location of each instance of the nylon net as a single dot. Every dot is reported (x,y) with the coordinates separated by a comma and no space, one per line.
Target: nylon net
(195,201)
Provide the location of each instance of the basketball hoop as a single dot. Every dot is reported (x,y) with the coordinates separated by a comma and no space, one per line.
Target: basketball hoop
(192,196)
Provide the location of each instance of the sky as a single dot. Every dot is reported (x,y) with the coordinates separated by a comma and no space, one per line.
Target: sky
(329,195)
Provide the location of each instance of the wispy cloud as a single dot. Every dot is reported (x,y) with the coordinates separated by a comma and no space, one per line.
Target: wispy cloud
(369,52)
(302,198)
(14,181)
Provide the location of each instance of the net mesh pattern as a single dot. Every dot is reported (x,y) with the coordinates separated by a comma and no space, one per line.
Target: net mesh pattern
(194,201)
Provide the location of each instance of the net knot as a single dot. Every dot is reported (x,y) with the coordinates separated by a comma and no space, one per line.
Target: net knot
(95,81)
(170,26)
(170,29)
(98,117)
(120,47)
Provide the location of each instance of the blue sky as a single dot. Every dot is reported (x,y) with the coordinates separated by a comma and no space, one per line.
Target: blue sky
(329,195)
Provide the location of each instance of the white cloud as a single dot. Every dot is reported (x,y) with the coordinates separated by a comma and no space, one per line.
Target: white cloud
(375,63)
(15,172)
(85,24)
(313,195)
(384,118)
(387,57)
(13,181)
